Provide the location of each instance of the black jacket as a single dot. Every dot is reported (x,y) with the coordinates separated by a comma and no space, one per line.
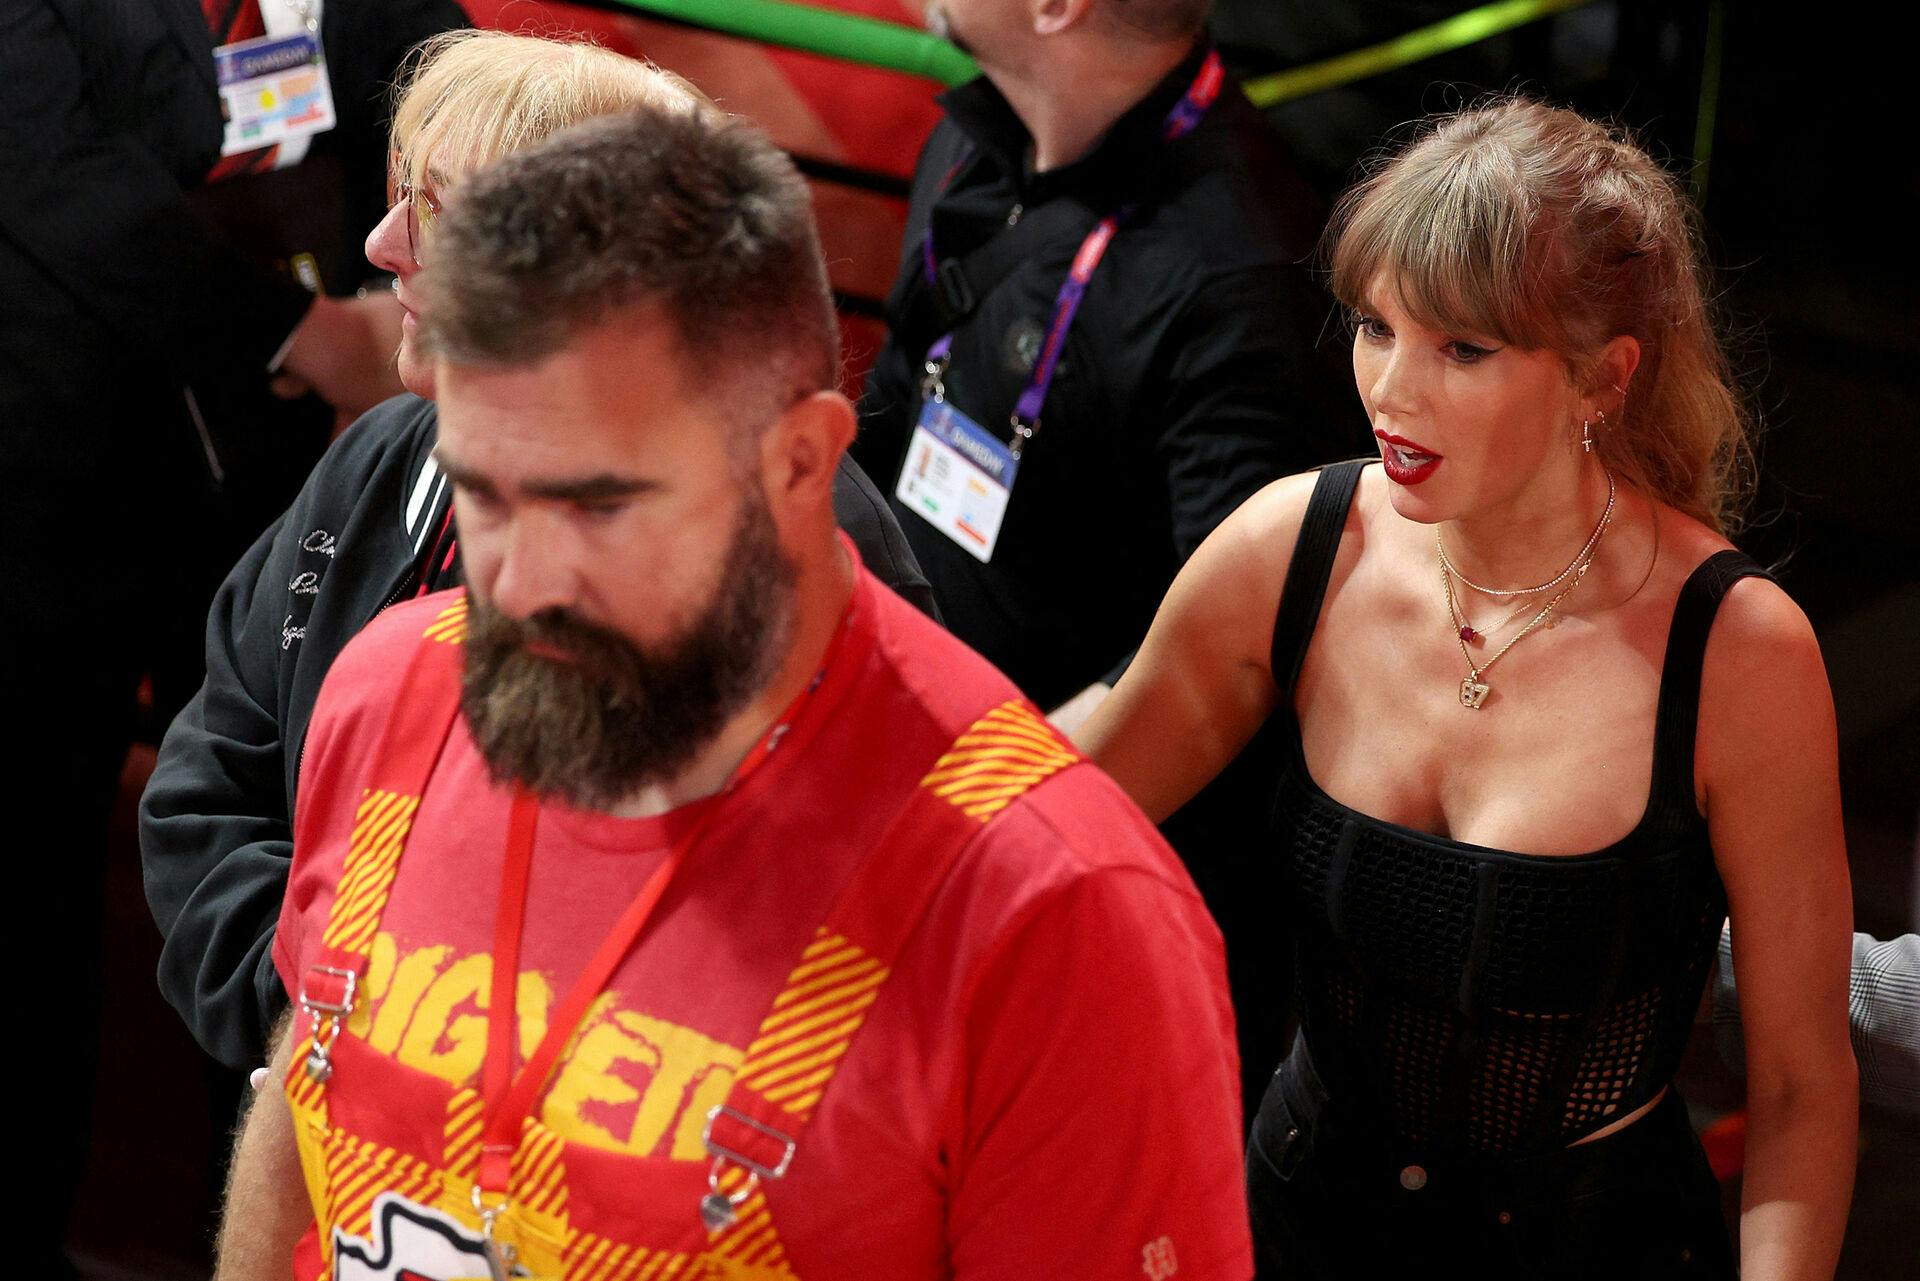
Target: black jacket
(319,210)
(108,113)
(1189,379)
(371,527)
(109,118)
(118,293)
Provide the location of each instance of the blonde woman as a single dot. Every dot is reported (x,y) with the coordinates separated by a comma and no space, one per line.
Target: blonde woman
(1543,724)
(373,525)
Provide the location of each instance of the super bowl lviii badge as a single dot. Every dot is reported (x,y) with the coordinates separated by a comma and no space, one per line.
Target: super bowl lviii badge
(273,90)
(958,478)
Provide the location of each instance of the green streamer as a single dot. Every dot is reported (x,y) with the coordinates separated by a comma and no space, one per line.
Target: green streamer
(874,42)
(1704,119)
(1424,42)
(892,46)
(850,37)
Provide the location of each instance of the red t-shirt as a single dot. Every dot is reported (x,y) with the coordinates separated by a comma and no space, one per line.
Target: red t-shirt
(1046,1086)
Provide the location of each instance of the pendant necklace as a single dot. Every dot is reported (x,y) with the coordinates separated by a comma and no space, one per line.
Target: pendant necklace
(1474,690)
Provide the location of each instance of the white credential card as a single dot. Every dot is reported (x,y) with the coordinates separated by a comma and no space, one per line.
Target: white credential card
(958,478)
(274,90)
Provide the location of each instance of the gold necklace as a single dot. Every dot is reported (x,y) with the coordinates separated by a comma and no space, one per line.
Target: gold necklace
(1466,631)
(1473,690)
(1585,553)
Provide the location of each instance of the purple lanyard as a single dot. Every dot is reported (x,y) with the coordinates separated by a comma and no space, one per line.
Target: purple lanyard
(1181,121)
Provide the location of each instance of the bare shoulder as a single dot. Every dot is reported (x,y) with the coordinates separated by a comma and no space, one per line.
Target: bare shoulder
(1758,623)
(1767,775)
(1253,547)
(1203,678)
(1762,681)
(1757,628)
(1267,525)
(1241,569)
(1762,674)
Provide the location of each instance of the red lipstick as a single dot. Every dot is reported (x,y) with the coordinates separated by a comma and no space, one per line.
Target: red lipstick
(1406,463)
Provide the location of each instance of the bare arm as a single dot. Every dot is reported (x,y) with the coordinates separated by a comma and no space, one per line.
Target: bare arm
(1883,1017)
(267,1207)
(1201,686)
(1767,757)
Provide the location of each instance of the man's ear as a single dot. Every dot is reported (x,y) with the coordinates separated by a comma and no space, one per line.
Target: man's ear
(1051,17)
(800,452)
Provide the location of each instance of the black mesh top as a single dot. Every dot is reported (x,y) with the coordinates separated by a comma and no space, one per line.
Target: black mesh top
(1476,1000)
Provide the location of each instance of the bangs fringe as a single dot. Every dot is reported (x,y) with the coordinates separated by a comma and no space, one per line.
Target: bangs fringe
(1452,235)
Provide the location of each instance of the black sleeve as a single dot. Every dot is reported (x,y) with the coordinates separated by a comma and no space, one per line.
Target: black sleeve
(863,513)
(216,833)
(1249,397)
(892,393)
(93,195)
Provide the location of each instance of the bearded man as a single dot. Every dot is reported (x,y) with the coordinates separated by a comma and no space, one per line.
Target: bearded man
(677,900)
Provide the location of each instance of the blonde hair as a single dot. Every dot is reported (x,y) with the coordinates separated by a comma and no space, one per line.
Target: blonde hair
(469,97)
(1547,231)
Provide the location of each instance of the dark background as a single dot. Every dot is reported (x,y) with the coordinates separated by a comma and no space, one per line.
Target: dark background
(1809,214)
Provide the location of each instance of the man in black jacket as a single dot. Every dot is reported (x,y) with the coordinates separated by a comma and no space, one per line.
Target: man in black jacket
(372,526)
(1103,262)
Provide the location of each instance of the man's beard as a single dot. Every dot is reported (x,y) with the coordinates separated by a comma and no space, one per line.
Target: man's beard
(617,717)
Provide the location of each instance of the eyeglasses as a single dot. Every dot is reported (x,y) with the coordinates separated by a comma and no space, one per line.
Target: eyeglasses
(422,208)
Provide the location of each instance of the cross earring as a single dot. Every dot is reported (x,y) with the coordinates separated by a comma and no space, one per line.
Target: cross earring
(1587,441)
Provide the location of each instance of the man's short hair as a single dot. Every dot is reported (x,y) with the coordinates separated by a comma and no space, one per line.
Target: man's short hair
(1159,19)
(669,207)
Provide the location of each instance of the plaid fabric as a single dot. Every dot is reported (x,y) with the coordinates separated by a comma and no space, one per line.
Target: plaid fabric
(1883,1016)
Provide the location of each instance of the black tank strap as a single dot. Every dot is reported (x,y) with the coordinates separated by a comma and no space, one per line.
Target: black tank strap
(1308,572)
(1672,804)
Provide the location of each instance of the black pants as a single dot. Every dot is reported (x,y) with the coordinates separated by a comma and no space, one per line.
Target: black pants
(1331,1199)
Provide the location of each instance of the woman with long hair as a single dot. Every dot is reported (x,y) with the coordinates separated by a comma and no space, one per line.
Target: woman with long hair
(1545,728)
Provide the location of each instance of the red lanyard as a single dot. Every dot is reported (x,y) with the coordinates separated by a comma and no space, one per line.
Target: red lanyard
(509,1098)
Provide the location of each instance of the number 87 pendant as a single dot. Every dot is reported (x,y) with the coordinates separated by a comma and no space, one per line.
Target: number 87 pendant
(1473,692)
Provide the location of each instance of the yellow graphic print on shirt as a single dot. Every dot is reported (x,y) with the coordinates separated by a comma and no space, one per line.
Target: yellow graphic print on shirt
(629,1083)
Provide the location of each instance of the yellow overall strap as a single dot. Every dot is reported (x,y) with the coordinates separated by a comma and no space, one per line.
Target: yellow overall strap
(810,1027)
